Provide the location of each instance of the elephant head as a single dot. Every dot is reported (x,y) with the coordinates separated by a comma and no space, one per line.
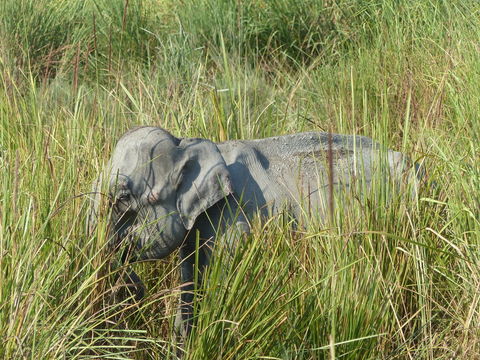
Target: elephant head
(158,185)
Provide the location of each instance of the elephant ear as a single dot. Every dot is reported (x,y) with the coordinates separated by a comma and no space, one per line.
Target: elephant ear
(204,180)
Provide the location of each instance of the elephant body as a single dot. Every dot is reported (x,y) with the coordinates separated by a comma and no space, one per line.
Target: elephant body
(293,170)
(166,192)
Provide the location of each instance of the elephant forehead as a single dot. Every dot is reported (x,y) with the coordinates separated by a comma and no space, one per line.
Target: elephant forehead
(139,179)
(148,140)
(142,155)
(143,158)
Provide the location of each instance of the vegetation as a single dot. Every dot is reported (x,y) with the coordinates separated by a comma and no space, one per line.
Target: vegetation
(398,281)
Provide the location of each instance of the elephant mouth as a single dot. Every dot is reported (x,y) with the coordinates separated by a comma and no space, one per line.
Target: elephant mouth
(126,236)
(138,242)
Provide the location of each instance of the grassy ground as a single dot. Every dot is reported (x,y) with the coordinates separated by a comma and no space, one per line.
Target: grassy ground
(379,282)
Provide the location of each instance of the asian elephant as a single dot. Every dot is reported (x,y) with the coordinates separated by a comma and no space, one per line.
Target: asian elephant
(165,191)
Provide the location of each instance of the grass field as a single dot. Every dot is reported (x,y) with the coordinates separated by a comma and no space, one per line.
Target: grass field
(397,281)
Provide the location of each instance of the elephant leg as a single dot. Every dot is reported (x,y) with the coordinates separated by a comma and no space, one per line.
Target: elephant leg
(134,285)
(127,284)
(193,260)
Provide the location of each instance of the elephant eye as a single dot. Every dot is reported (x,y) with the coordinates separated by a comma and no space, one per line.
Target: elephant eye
(124,197)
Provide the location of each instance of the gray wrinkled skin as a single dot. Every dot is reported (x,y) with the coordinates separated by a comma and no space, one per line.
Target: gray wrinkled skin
(164,189)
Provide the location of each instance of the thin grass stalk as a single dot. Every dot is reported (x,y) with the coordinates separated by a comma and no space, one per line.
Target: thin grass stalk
(76,69)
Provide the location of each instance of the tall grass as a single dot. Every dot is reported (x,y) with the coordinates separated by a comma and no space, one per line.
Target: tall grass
(391,281)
